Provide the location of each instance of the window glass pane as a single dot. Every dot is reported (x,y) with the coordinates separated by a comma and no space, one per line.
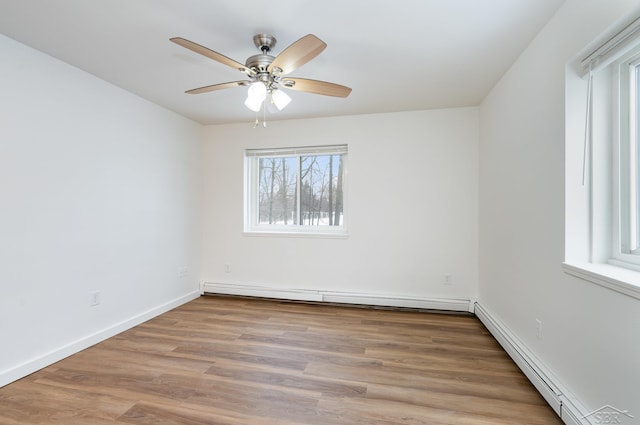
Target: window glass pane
(636,160)
(277,190)
(321,195)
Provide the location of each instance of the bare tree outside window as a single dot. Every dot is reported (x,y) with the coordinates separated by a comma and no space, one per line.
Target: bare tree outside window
(304,189)
(321,190)
(277,190)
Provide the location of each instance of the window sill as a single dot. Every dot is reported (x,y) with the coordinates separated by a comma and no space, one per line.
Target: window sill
(617,279)
(274,233)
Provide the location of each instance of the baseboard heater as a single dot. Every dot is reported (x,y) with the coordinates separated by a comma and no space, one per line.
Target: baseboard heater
(261,291)
(338,297)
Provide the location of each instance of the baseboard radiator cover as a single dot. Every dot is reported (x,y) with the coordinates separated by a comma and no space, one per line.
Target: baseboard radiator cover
(563,402)
(356,298)
(30,366)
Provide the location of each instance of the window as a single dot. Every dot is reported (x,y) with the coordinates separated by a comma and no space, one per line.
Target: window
(627,71)
(615,162)
(613,76)
(296,190)
(602,223)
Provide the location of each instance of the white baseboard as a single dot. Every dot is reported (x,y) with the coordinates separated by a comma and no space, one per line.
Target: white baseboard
(570,410)
(338,297)
(33,365)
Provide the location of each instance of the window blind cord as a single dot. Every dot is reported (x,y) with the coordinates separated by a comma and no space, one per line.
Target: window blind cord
(587,124)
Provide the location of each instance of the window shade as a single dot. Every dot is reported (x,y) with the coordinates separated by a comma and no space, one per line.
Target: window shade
(308,150)
(611,49)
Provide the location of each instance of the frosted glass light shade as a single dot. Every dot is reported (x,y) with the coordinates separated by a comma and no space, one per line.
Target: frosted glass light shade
(253,104)
(280,99)
(255,96)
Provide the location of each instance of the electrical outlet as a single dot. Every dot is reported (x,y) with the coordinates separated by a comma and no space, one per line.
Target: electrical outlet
(227,268)
(448,279)
(183,271)
(95,298)
(539,328)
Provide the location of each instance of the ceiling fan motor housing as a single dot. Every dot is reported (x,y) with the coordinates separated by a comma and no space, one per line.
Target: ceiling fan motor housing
(264,42)
(260,62)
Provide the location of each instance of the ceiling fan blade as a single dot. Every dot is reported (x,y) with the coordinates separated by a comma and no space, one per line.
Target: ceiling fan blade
(220,86)
(297,54)
(317,87)
(211,54)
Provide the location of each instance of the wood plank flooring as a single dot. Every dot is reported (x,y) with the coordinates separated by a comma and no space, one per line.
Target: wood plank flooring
(233,361)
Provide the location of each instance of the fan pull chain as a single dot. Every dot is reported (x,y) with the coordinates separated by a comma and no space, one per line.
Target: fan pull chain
(264,115)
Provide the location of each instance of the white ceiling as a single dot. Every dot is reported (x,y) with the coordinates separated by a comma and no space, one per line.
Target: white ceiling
(396,55)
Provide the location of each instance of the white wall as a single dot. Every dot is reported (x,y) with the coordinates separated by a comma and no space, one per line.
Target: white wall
(590,334)
(412,205)
(99,191)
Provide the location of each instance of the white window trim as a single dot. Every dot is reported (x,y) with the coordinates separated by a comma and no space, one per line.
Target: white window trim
(251,202)
(619,279)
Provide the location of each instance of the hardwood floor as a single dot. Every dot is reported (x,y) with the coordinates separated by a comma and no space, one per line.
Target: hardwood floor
(232,361)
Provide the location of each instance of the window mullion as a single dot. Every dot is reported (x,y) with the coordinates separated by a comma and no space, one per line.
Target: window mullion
(299,191)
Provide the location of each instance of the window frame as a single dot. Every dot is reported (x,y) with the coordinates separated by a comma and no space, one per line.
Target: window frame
(251,192)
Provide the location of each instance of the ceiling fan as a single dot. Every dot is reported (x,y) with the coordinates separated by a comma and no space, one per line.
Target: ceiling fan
(267,74)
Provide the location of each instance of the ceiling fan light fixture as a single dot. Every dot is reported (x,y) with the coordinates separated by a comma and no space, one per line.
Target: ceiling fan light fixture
(280,99)
(267,73)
